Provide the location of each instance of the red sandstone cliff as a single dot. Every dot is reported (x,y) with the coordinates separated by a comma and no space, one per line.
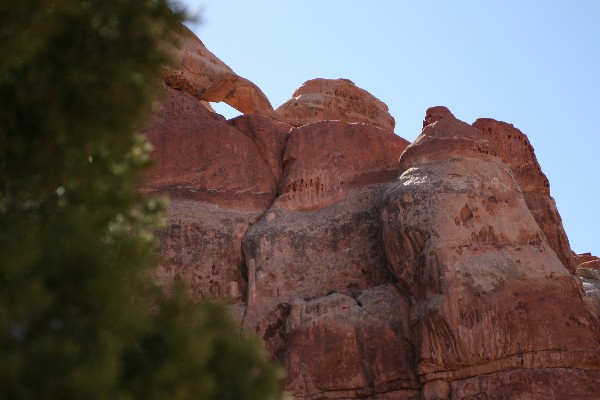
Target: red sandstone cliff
(371,267)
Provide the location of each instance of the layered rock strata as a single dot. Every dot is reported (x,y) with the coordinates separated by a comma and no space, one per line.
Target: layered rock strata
(322,233)
(443,273)
(515,150)
(488,294)
(219,181)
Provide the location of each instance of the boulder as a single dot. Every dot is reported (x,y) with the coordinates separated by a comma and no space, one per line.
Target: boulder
(334,99)
(201,74)
(488,293)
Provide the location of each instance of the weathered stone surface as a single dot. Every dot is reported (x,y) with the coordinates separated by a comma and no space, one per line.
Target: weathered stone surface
(488,293)
(322,233)
(292,255)
(211,161)
(200,73)
(466,295)
(325,160)
(202,246)
(515,150)
(530,384)
(173,104)
(585,257)
(270,137)
(341,347)
(218,184)
(334,99)
(589,273)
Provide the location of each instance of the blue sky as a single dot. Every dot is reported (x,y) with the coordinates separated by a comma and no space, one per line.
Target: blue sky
(535,64)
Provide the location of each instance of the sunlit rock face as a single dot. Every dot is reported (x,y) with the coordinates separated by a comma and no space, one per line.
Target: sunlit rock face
(514,149)
(371,268)
(201,74)
(334,99)
(488,293)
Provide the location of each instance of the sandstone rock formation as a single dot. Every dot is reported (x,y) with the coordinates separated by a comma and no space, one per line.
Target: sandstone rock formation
(343,347)
(334,99)
(327,210)
(488,294)
(369,269)
(218,183)
(515,150)
(589,273)
(270,137)
(200,73)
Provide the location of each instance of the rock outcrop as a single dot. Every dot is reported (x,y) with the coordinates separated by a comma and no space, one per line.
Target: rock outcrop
(589,273)
(515,150)
(327,210)
(219,181)
(488,293)
(201,74)
(343,347)
(334,99)
(371,268)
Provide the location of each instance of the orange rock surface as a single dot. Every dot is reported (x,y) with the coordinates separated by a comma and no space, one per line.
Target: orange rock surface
(334,99)
(488,293)
(369,267)
(201,74)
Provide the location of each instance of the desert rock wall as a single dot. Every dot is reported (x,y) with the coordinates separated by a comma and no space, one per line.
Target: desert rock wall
(370,267)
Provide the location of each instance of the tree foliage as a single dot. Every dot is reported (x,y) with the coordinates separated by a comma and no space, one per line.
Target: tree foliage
(77,78)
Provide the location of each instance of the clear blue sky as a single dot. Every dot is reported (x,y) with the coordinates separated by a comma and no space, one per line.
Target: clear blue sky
(534,63)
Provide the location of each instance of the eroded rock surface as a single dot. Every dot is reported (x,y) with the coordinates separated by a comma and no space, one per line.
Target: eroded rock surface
(322,233)
(201,74)
(488,293)
(589,273)
(515,150)
(452,280)
(334,99)
(209,160)
(219,183)
(343,347)
(270,137)
(325,160)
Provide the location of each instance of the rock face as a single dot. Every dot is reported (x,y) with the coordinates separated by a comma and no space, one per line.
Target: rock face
(219,181)
(327,210)
(201,74)
(488,293)
(369,269)
(326,160)
(334,99)
(514,149)
(589,273)
(351,348)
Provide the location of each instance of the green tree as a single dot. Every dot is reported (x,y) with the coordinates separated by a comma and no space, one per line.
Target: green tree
(77,78)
